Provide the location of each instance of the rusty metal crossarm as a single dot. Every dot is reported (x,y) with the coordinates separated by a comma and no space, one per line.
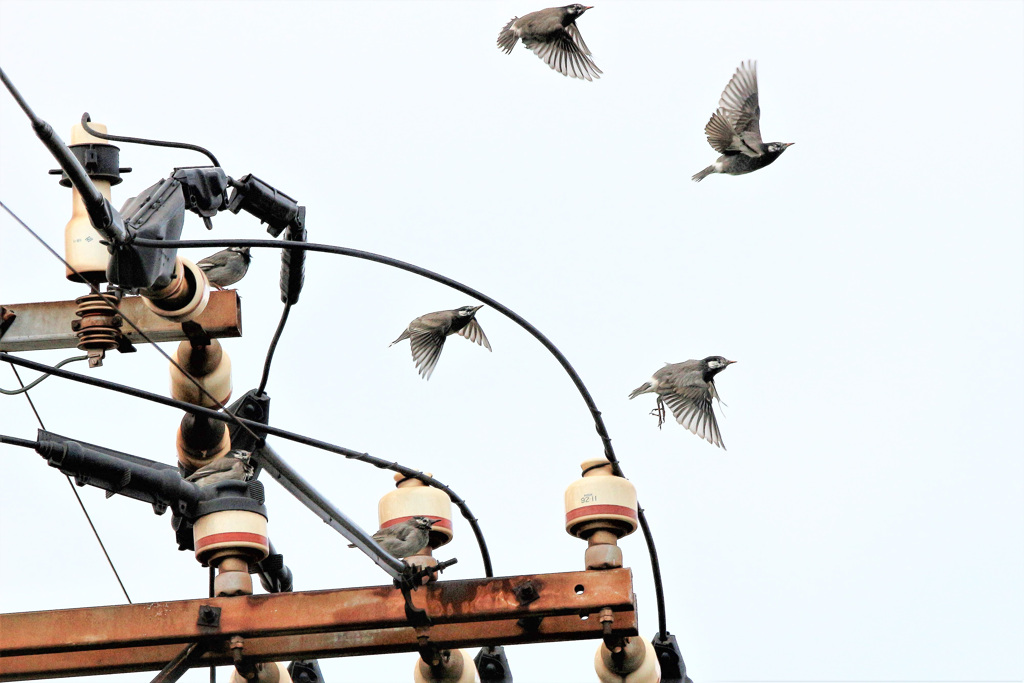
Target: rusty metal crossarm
(286,614)
(47,325)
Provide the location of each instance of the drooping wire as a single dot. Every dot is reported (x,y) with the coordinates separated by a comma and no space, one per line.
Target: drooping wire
(128,320)
(74,490)
(269,430)
(24,388)
(599,425)
(143,141)
(273,347)
(227,416)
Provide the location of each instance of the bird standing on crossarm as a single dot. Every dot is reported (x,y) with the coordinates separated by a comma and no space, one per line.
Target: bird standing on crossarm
(427,333)
(226,267)
(688,389)
(735,129)
(405,538)
(235,465)
(553,36)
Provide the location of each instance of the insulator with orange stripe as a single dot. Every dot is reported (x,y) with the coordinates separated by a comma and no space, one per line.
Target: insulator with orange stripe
(600,508)
(231,534)
(184,298)
(412,498)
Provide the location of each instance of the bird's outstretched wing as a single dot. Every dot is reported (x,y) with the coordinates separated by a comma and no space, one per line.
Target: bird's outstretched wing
(741,106)
(474,333)
(426,348)
(691,406)
(508,37)
(563,53)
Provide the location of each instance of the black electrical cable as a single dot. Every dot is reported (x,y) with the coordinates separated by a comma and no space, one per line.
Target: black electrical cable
(272,431)
(128,320)
(74,490)
(273,347)
(15,392)
(602,431)
(143,141)
(15,441)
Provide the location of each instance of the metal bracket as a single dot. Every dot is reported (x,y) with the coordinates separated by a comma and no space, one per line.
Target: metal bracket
(673,669)
(176,668)
(209,616)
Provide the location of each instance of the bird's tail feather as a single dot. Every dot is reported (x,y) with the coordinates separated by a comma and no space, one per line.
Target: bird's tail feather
(507,38)
(404,336)
(704,174)
(642,389)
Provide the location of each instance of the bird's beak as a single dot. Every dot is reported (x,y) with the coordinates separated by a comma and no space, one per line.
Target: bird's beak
(790,144)
(586,8)
(730,362)
(477,308)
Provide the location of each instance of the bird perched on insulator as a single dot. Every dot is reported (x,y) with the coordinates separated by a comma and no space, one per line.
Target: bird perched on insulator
(427,333)
(226,267)
(553,36)
(735,129)
(234,465)
(405,538)
(688,389)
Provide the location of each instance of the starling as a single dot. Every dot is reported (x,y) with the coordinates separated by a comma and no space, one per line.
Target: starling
(553,36)
(406,538)
(234,465)
(735,129)
(688,388)
(226,267)
(426,335)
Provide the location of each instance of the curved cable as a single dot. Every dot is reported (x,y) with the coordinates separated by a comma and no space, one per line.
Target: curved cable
(267,429)
(143,141)
(26,387)
(273,347)
(602,431)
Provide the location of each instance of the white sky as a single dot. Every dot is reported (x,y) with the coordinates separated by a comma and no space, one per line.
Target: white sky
(867,521)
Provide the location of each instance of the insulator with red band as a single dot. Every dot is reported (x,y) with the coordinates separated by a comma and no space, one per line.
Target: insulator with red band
(602,498)
(412,498)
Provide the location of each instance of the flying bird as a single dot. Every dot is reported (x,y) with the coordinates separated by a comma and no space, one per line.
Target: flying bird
(553,36)
(235,465)
(405,538)
(226,267)
(688,388)
(735,129)
(427,333)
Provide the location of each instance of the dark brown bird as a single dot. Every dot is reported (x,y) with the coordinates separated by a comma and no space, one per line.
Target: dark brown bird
(735,129)
(553,36)
(427,333)
(405,538)
(226,267)
(688,389)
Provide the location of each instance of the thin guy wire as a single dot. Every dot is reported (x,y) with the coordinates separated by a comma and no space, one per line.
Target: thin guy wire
(272,431)
(74,490)
(128,320)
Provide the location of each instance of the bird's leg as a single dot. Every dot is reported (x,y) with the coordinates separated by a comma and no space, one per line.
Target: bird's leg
(659,411)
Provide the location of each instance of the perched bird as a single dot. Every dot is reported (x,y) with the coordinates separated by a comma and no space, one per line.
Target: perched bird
(553,36)
(688,388)
(426,335)
(226,267)
(405,538)
(735,129)
(235,465)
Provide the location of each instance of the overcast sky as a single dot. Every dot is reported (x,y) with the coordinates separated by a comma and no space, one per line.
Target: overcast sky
(867,521)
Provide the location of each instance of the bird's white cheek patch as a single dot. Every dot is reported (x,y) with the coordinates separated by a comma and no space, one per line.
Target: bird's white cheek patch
(718,166)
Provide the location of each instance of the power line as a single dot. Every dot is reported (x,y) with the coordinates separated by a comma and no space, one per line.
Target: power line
(599,425)
(272,431)
(74,489)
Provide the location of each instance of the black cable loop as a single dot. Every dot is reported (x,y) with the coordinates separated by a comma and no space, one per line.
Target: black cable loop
(143,141)
(33,383)
(266,429)
(602,431)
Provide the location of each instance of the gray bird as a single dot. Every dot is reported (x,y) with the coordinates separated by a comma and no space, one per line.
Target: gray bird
(427,333)
(688,388)
(226,267)
(735,129)
(405,538)
(235,465)
(553,36)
